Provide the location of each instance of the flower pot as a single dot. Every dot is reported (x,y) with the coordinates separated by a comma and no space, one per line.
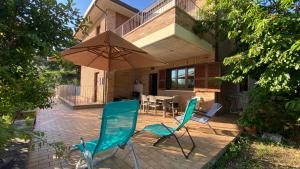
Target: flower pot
(250,130)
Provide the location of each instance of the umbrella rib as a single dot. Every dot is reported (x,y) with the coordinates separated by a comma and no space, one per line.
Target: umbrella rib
(85,49)
(80,47)
(92,61)
(73,53)
(126,49)
(121,55)
(127,61)
(98,54)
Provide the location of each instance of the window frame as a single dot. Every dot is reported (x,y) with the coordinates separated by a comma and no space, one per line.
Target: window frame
(170,79)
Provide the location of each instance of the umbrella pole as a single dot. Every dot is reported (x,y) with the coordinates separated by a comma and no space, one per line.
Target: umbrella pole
(107,74)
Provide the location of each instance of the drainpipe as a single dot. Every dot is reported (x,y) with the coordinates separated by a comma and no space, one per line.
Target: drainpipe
(105,13)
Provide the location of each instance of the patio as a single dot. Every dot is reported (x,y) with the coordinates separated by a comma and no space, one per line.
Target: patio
(63,124)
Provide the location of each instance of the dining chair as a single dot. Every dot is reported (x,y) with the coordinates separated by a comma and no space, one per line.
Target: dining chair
(153,103)
(174,105)
(144,102)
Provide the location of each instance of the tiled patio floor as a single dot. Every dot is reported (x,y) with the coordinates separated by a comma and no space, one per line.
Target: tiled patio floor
(63,124)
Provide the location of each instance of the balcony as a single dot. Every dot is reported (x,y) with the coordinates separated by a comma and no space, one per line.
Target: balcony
(164,30)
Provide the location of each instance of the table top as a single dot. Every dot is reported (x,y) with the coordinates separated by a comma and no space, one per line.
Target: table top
(163,97)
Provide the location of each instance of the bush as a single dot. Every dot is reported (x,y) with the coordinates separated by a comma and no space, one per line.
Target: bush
(271,113)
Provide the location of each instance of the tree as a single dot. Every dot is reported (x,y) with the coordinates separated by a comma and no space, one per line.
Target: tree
(30,31)
(267,38)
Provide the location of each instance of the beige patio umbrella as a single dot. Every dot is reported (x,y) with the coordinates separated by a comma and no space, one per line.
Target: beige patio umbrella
(109,52)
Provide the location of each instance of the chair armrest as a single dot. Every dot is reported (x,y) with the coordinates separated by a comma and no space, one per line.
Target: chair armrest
(83,143)
(201,114)
(176,120)
(200,111)
(166,127)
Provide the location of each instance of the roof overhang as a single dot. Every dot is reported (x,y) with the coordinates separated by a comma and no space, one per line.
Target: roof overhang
(174,43)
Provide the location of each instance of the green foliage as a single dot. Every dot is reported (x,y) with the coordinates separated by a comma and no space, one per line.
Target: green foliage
(268,114)
(248,152)
(30,31)
(233,151)
(267,39)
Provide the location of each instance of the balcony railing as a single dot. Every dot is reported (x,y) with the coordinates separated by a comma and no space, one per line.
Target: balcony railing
(80,95)
(155,10)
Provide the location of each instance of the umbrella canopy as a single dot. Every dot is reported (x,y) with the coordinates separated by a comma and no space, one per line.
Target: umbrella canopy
(109,52)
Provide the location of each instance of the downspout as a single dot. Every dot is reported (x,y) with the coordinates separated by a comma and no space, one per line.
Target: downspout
(105,13)
(106,74)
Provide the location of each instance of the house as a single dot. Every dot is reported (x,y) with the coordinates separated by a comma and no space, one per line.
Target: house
(165,31)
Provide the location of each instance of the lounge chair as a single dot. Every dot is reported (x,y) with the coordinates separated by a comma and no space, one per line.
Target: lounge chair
(117,127)
(166,132)
(204,117)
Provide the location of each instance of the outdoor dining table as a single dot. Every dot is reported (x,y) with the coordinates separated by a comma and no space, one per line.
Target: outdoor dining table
(164,100)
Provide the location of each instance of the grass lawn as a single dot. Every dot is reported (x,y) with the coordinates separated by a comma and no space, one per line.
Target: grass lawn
(251,153)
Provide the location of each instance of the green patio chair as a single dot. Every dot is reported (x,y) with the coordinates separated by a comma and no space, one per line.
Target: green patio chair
(117,127)
(166,132)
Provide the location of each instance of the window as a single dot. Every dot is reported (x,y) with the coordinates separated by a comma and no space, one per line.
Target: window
(182,78)
(98,30)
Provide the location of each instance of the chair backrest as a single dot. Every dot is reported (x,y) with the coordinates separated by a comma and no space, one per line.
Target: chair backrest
(188,113)
(199,100)
(176,99)
(118,123)
(152,98)
(214,109)
(144,98)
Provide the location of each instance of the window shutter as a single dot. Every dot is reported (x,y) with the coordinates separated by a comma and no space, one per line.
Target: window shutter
(205,76)
(162,79)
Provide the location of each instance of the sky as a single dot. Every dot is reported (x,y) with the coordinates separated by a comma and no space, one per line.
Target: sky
(82,5)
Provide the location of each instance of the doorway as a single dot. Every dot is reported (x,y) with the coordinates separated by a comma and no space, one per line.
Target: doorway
(96,81)
(153,84)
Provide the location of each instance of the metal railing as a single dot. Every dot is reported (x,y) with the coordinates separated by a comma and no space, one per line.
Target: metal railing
(80,95)
(155,10)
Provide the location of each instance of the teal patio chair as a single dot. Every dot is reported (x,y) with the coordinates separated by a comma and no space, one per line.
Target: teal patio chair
(117,127)
(166,132)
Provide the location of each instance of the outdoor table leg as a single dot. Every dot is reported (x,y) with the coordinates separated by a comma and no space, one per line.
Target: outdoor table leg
(164,103)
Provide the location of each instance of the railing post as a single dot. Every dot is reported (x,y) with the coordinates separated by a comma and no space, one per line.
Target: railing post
(75,94)
(122,30)
(142,18)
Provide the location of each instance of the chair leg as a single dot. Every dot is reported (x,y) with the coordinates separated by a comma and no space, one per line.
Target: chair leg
(211,128)
(177,140)
(193,144)
(78,163)
(147,108)
(160,140)
(173,112)
(89,159)
(136,161)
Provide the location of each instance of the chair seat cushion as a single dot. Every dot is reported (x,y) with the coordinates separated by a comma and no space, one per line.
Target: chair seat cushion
(113,140)
(194,117)
(159,129)
(90,145)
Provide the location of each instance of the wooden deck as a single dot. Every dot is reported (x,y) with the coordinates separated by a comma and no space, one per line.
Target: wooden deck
(63,124)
